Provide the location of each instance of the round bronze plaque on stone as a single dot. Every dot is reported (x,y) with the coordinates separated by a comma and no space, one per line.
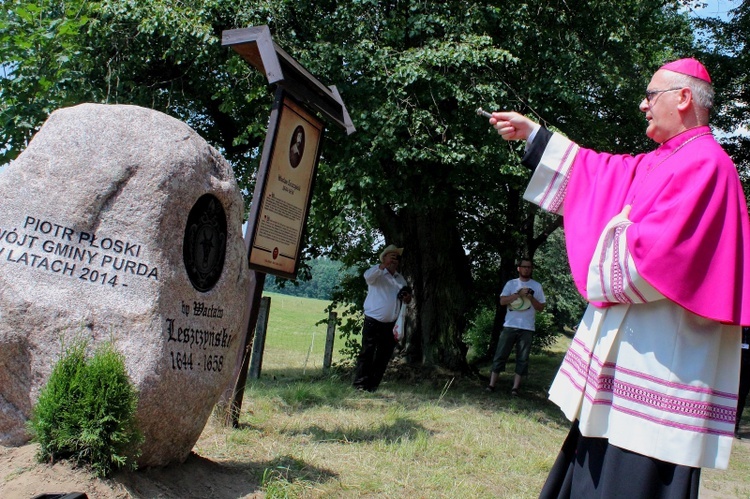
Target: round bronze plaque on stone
(205,243)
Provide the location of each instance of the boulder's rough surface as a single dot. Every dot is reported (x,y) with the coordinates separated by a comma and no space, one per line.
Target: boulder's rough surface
(119,222)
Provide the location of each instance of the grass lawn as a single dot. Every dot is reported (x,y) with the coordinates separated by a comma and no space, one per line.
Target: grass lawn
(311,435)
(295,344)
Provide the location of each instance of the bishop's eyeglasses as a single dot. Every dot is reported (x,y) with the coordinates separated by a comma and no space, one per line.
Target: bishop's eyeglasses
(650,94)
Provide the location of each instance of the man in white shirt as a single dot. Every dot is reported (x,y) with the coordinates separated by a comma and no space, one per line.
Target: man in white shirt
(524,298)
(385,293)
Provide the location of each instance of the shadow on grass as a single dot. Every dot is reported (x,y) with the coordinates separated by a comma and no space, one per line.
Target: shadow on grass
(201,477)
(401,429)
(299,391)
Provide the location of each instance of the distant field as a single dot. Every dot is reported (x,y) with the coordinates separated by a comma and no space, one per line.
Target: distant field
(294,342)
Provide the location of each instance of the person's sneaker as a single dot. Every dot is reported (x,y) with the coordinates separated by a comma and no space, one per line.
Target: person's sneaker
(514,392)
(489,389)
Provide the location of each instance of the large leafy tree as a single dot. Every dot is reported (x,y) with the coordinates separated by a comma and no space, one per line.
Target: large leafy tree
(422,170)
(426,172)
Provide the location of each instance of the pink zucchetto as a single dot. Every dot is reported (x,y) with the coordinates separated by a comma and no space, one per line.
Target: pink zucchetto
(690,67)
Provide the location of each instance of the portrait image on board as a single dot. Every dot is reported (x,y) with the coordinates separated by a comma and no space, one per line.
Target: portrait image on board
(285,198)
(297,146)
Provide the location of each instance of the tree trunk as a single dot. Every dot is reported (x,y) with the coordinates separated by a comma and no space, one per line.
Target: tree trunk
(439,269)
(509,249)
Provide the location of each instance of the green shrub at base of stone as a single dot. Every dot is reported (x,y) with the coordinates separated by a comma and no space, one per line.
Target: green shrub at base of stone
(86,411)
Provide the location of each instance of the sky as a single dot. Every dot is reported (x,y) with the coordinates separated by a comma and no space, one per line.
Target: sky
(718,8)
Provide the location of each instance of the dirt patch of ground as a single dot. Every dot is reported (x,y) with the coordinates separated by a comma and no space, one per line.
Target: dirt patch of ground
(21,477)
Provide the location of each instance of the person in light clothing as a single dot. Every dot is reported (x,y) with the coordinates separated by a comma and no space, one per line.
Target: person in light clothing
(386,289)
(659,245)
(523,298)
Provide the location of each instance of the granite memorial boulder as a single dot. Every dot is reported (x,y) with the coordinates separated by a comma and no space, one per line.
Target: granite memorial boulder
(120,222)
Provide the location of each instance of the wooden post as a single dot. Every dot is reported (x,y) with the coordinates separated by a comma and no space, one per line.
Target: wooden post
(259,342)
(330,335)
(254,297)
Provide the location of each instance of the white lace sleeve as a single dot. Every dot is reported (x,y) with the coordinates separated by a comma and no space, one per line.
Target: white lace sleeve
(613,276)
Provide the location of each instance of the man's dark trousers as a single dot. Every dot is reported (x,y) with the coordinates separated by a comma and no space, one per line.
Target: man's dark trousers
(377,347)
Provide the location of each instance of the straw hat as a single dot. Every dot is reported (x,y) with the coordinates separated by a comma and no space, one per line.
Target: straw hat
(521,303)
(390,249)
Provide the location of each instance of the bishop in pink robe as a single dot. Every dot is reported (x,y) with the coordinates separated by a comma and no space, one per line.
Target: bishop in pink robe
(659,245)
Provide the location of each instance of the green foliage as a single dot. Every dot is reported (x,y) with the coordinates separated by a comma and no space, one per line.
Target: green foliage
(317,279)
(479,333)
(86,411)
(349,297)
(546,332)
(40,47)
